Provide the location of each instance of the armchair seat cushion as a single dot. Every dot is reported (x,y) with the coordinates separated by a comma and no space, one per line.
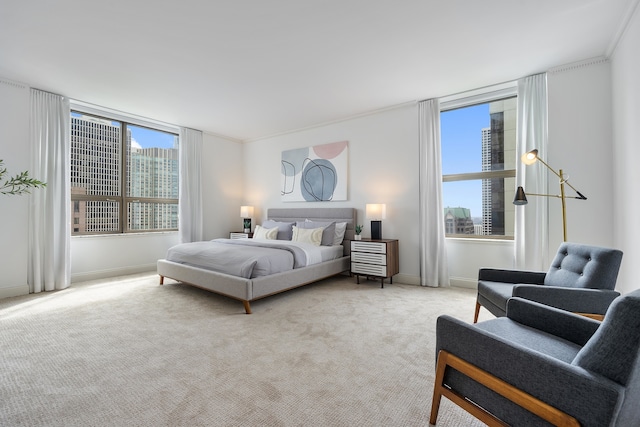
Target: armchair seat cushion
(497,293)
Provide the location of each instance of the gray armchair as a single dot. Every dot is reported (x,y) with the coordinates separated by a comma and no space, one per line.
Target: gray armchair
(581,279)
(540,365)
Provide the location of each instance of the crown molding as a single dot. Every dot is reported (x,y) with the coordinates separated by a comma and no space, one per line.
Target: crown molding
(579,64)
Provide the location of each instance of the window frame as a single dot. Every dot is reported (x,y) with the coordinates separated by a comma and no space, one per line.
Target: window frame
(469,99)
(123,200)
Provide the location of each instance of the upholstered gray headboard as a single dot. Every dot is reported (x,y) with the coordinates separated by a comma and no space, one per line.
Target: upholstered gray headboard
(347,215)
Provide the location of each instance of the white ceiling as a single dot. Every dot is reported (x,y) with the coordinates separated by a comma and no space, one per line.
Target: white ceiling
(247,69)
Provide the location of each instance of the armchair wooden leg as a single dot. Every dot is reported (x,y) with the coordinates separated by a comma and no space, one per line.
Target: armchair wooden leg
(475,316)
(437,389)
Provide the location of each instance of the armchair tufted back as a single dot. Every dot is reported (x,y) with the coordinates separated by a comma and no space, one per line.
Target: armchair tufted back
(614,349)
(583,266)
(614,352)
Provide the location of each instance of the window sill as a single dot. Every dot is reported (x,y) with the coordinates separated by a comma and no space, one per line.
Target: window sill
(481,238)
(119,235)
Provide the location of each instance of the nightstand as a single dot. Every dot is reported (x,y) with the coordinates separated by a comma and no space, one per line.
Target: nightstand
(240,235)
(375,258)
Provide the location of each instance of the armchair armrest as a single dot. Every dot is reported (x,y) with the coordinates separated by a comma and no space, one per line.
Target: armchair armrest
(542,376)
(564,324)
(511,276)
(581,300)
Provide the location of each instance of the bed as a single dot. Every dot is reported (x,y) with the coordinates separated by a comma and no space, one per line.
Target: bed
(248,289)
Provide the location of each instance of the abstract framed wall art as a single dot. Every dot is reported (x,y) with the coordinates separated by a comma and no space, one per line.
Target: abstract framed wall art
(315,174)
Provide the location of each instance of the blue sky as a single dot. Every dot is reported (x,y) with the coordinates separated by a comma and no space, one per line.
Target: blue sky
(461,136)
(151,138)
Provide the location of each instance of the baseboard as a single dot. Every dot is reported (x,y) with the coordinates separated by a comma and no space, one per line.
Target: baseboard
(14,291)
(112,272)
(406,279)
(461,282)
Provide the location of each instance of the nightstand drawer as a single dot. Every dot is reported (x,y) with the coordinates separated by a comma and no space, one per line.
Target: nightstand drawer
(369,258)
(361,246)
(240,235)
(369,269)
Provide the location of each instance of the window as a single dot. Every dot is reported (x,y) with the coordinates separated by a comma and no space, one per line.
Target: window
(124,177)
(478,168)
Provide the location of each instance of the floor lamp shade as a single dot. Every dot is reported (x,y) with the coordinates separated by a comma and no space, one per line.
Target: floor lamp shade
(376,212)
(246,212)
(520,198)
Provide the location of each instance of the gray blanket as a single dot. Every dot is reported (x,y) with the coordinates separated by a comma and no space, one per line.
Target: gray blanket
(241,257)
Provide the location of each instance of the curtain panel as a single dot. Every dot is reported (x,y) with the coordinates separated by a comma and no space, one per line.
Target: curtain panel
(434,270)
(49,208)
(532,220)
(190,205)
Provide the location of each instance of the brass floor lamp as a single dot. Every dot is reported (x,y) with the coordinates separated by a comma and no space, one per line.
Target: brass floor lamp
(530,158)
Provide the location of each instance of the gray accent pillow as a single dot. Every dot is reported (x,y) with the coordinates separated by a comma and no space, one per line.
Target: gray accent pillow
(285,229)
(328,234)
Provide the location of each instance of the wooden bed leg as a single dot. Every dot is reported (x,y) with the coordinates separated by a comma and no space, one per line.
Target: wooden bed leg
(247,307)
(161,280)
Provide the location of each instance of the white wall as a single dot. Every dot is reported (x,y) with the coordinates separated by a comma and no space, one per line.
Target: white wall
(94,257)
(222,184)
(467,256)
(14,150)
(580,143)
(383,168)
(626,139)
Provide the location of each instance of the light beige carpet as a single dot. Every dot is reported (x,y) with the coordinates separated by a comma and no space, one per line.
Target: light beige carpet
(128,352)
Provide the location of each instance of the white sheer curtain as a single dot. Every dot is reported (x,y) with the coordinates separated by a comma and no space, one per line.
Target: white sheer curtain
(532,220)
(434,270)
(49,208)
(190,211)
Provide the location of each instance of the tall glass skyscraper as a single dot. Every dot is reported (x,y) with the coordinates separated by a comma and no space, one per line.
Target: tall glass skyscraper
(498,153)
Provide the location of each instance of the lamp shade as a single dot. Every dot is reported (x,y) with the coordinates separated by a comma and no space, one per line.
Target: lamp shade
(376,211)
(246,211)
(521,197)
(530,157)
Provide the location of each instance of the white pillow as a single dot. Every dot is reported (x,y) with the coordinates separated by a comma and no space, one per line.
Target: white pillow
(265,233)
(341,227)
(328,235)
(307,235)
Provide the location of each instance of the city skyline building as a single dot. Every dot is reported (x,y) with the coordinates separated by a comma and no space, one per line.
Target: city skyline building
(498,145)
(486,183)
